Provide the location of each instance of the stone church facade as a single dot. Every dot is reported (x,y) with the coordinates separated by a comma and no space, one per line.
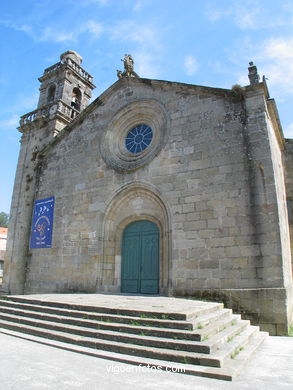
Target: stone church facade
(159,188)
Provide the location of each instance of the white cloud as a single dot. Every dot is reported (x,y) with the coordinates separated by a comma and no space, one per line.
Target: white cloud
(23,105)
(143,42)
(129,30)
(243,80)
(219,67)
(94,28)
(51,34)
(23,27)
(273,58)
(190,65)
(246,19)
(18,27)
(139,4)
(215,14)
(26,103)
(277,58)
(13,121)
(246,16)
(255,19)
(144,65)
(54,34)
(279,48)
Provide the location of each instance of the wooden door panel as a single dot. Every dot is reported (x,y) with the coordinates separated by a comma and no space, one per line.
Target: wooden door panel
(140,258)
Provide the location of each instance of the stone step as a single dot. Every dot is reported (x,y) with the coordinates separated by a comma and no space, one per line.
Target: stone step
(215,360)
(218,340)
(204,308)
(139,339)
(118,327)
(218,326)
(206,339)
(231,369)
(206,326)
(123,319)
(206,320)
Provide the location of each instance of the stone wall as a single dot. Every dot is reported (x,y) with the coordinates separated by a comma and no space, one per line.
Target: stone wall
(288,161)
(208,180)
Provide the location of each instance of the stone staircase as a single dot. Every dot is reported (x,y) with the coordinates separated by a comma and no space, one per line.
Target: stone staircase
(208,341)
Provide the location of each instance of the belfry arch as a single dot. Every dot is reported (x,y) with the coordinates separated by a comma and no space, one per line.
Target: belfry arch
(133,202)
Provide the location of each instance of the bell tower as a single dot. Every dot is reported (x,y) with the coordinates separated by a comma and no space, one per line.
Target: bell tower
(65,91)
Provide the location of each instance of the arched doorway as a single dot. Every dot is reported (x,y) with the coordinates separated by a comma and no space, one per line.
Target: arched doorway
(140,258)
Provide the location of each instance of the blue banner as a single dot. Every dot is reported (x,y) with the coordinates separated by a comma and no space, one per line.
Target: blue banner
(42,224)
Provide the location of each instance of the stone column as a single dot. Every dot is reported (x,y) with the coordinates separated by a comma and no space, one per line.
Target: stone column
(268,212)
(17,254)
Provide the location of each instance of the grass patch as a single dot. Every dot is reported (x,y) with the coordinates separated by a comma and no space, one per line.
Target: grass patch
(105,319)
(153,317)
(291,331)
(236,352)
(134,323)
(185,360)
(158,317)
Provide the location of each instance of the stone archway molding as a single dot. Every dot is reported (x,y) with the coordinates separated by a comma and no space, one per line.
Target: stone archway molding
(133,202)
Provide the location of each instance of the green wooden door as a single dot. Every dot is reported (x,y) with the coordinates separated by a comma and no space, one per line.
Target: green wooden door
(140,258)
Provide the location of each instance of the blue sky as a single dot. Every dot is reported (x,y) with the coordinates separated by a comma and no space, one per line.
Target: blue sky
(203,42)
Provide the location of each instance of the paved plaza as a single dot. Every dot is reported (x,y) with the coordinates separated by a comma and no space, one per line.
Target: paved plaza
(26,365)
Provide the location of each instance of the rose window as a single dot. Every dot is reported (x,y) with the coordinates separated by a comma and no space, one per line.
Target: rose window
(138,138)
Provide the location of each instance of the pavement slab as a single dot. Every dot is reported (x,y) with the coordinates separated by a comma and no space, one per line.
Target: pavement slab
(27,365)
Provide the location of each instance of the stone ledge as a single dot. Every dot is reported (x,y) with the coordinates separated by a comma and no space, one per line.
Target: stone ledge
(266,307)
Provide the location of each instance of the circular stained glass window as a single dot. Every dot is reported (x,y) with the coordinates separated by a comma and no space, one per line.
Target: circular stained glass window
(138,138)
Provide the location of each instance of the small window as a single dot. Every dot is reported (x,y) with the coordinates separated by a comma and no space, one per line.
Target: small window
(51,93)
(76,98)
